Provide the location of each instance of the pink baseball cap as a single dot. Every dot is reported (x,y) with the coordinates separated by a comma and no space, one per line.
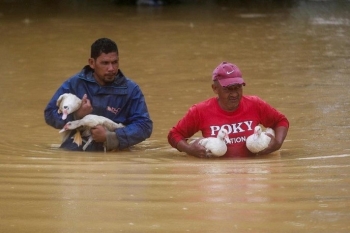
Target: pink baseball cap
(227,74)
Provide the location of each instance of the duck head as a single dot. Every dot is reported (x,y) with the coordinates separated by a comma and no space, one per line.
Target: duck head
(67,103)
(257,132)
(70,126)
(223,134)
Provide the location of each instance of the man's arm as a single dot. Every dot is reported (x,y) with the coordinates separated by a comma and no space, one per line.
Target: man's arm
(139,125)
(193,148)
(277,141)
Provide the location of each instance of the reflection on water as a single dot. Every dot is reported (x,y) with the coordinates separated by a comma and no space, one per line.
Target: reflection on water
(293,54)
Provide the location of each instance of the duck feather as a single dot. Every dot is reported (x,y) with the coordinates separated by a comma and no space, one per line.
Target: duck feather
(258,141)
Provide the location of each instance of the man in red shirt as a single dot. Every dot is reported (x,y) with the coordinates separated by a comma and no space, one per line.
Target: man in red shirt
(231,110)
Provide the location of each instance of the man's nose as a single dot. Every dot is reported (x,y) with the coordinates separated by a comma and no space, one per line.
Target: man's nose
(233,92)
(110,66)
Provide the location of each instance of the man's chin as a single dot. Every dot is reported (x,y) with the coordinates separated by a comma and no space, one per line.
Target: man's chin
(233,106)
(109,79)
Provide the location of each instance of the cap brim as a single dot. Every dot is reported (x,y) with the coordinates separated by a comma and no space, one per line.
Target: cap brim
(231,81)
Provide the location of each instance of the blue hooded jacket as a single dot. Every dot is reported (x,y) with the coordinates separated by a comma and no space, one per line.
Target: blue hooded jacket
(122,101)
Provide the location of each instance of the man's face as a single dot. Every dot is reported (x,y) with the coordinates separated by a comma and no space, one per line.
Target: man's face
(229,97)
(106,67)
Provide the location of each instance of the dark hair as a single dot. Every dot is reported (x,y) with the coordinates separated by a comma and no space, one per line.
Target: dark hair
(103,45)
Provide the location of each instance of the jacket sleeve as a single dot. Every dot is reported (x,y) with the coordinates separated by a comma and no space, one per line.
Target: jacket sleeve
(139,125)
(185,128)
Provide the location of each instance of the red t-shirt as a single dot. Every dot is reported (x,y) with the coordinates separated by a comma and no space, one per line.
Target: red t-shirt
(208,117)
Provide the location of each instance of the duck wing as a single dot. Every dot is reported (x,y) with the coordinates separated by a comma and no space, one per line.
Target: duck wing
(92,120)
(111,125)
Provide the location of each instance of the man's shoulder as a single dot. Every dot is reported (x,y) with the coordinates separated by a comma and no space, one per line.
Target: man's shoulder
(251,98)
(205,103)
(81,75)
(253,101)
(122,79)
(130,82)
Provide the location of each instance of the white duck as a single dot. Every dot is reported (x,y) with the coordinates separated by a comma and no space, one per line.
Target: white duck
(258,141)
(86,123)
(67,103)
(216,145)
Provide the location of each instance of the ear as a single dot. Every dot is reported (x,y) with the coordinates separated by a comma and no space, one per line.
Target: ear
(215,88)
(91,62)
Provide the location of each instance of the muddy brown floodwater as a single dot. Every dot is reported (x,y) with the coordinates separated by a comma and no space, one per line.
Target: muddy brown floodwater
(294,55)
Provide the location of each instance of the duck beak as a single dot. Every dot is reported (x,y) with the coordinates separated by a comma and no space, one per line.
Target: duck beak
(62,130)
(65,114)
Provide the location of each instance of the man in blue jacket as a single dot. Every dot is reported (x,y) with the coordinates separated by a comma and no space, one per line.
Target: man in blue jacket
(104,91)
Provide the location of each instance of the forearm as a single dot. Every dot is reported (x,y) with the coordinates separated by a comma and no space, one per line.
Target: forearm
(183,146)
(193,148)
(277,141)
(280,136)
(134,133)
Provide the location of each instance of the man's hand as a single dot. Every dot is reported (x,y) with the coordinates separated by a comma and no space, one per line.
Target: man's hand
(98,133)
(84,109)
(276,142)
(271,147)
(194,148)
